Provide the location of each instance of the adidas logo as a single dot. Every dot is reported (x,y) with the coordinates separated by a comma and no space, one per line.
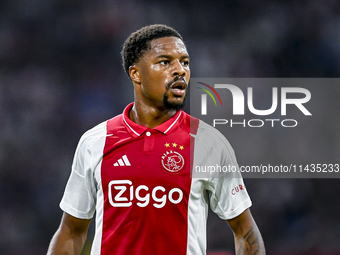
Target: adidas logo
(123,161)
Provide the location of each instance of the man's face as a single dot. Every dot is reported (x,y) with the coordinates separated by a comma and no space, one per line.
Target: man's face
(164,73)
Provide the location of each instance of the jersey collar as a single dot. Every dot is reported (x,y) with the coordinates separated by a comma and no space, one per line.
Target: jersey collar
(137,130)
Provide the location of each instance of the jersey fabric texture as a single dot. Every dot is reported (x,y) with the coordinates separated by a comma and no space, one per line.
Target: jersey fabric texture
(140,183)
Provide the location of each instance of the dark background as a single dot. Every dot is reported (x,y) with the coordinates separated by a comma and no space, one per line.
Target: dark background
(61,74)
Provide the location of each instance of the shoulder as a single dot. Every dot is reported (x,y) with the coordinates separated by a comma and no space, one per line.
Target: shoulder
(99,133)
(86,147)
(210,134)
(93,135)
(212,141)
(204,133)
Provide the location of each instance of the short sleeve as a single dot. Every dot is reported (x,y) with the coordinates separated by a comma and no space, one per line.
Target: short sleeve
(227,193)
(80,193)
(228,197)
(77,200)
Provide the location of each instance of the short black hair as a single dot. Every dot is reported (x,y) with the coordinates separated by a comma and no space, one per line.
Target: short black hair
(139,42)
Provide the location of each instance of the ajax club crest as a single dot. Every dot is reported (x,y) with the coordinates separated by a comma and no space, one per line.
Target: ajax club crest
(172,161)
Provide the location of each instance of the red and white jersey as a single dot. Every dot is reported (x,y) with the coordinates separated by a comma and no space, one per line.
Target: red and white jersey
(138,181)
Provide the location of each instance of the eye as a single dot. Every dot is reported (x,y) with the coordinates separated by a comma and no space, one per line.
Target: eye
(185,63)
(164,62)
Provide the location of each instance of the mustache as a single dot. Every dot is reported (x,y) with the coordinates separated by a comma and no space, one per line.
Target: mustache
(177,78)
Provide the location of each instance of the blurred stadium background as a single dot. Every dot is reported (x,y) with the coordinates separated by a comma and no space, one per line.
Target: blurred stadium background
(61,74)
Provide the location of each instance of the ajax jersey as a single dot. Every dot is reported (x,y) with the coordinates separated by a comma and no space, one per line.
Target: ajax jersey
(140,183)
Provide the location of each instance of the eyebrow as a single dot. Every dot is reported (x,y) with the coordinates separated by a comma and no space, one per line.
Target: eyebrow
(168,56)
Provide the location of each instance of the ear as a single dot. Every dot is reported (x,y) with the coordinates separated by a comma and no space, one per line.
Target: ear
(134,74)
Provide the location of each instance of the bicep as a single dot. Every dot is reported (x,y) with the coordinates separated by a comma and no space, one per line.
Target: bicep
(248,239)
(70,236)
(242,223)
(73,225)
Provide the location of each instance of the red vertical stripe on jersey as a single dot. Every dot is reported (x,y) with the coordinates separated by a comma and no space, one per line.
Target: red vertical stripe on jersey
(146,205)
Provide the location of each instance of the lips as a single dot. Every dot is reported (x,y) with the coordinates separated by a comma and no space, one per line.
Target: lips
(178,88)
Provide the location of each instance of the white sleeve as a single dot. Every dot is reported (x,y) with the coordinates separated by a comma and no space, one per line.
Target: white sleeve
(227,192)
(80,193)
(228,197)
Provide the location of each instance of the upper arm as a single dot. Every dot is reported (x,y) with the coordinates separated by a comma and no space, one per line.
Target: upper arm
(70,236)
(248,239)
(74,226)
(242,223)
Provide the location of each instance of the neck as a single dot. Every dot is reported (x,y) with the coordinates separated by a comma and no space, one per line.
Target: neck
(148,116)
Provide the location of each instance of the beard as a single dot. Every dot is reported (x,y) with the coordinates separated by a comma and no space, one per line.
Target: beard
(171,105)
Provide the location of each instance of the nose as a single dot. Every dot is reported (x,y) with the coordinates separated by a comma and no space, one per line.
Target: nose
(178,69)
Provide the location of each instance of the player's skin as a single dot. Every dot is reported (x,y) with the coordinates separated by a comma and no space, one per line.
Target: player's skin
(248,239)
(153,77)
(70,236)
(168,59)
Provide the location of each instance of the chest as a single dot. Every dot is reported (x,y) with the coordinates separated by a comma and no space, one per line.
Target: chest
(150,169)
